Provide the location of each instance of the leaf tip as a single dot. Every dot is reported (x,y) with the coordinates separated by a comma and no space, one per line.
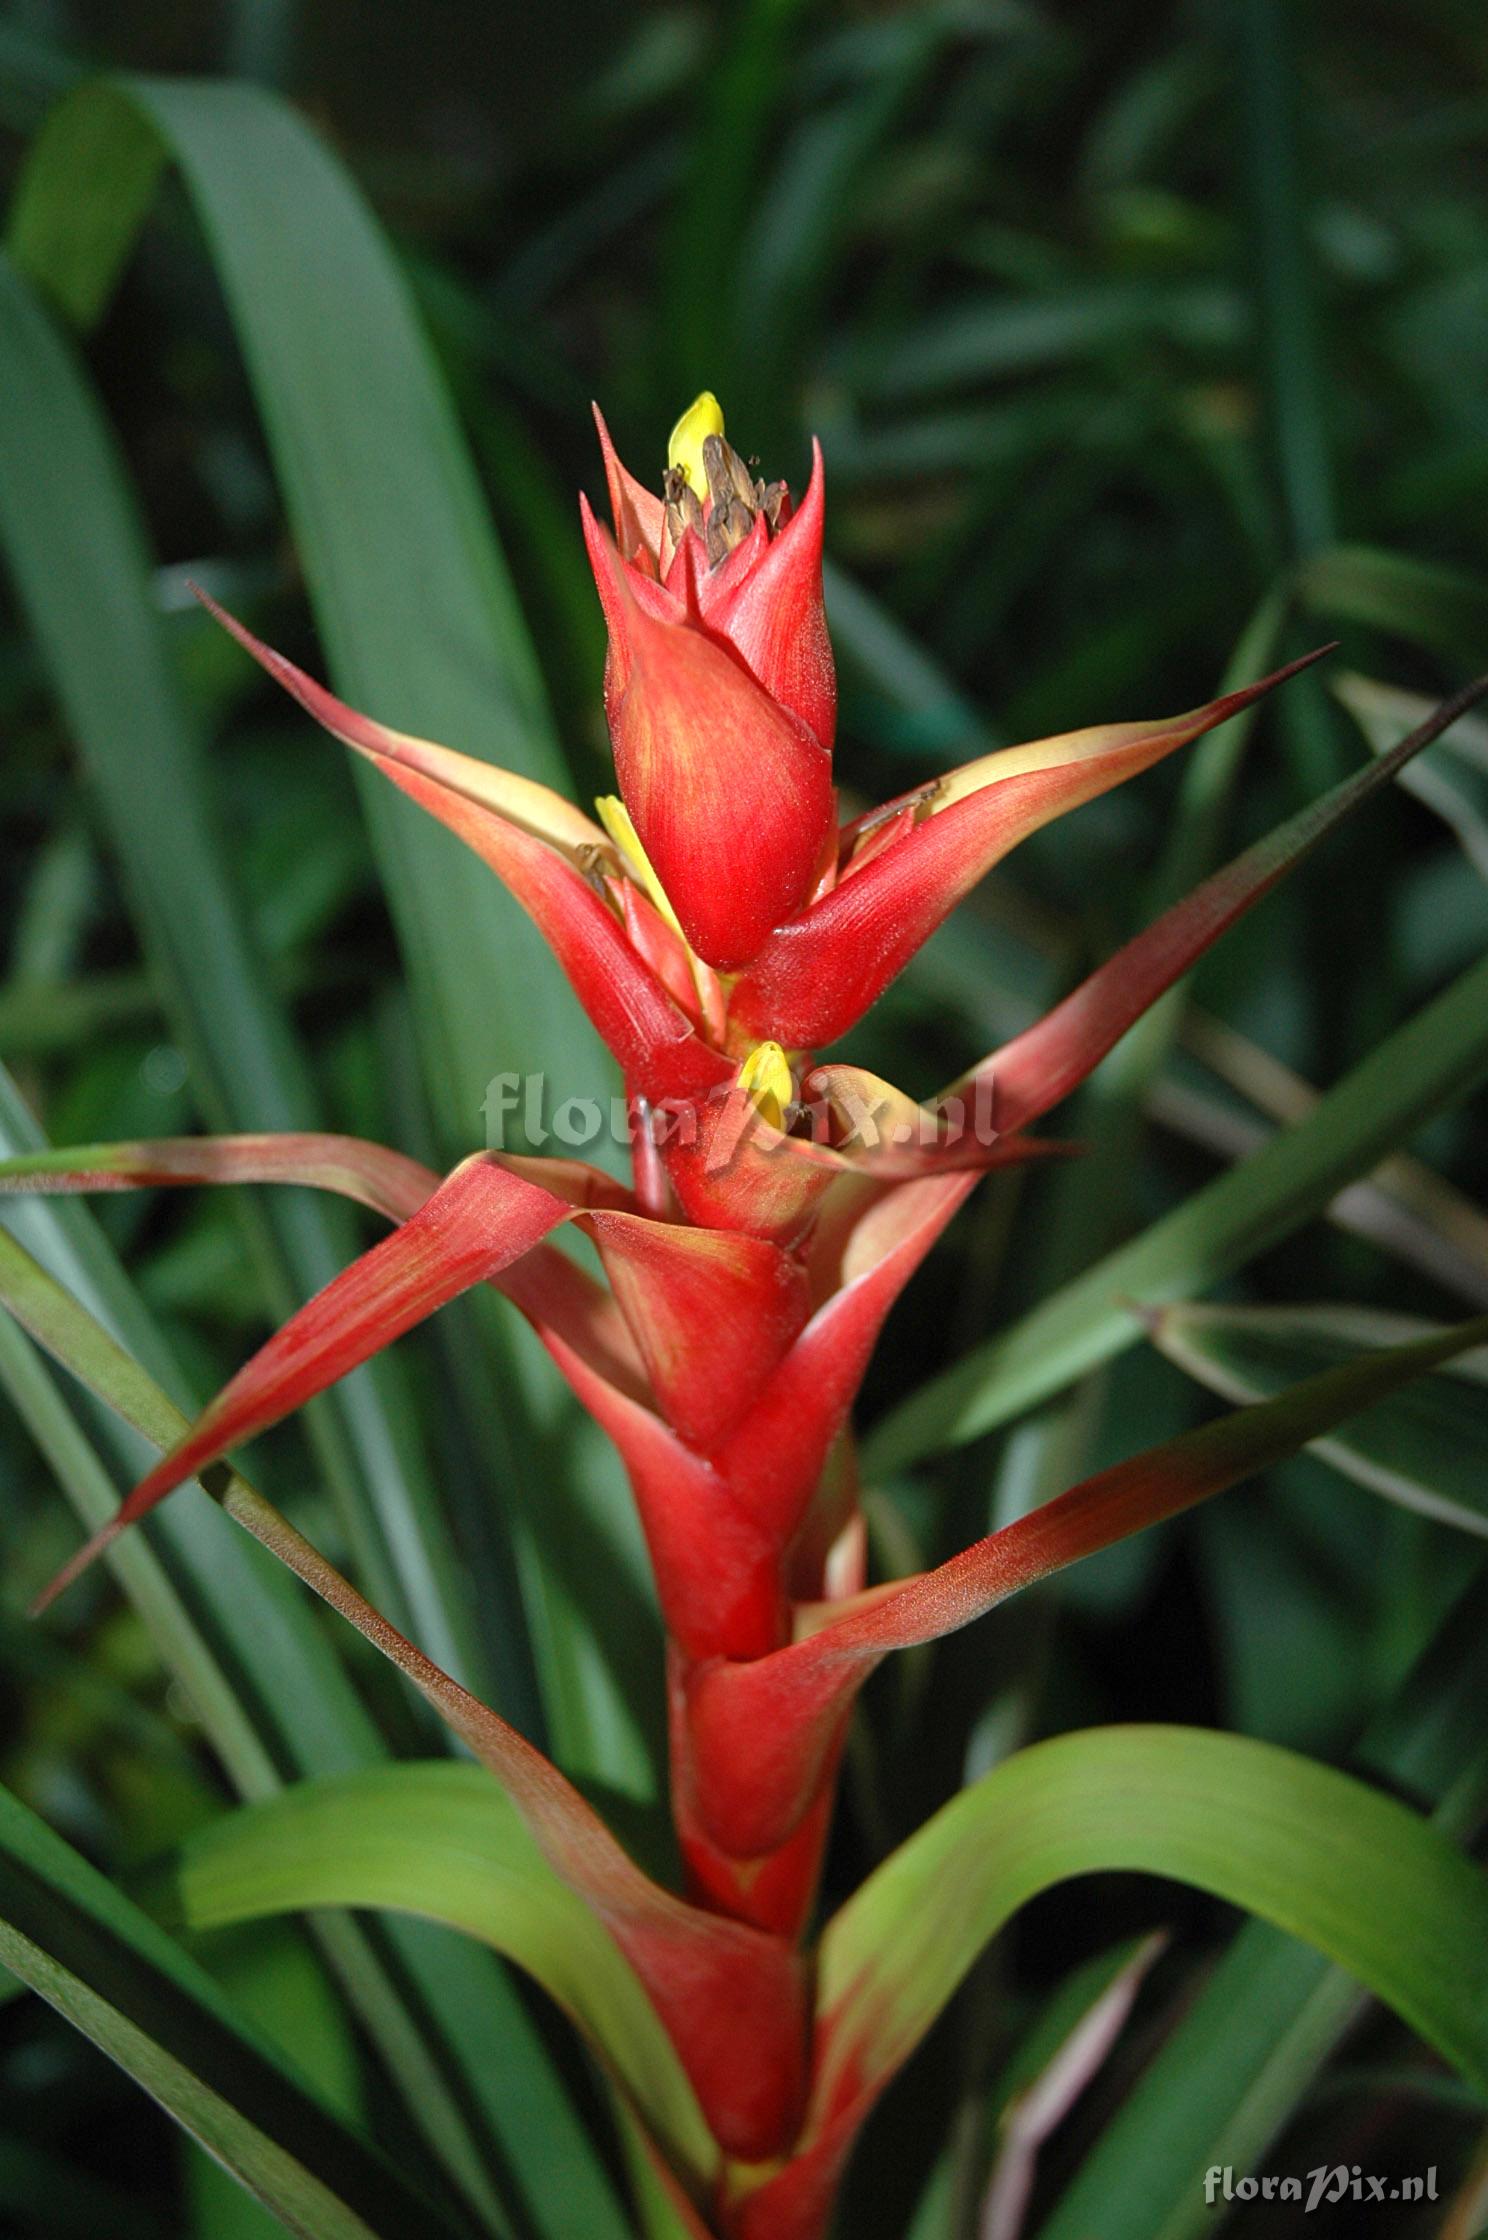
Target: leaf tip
(74,1568)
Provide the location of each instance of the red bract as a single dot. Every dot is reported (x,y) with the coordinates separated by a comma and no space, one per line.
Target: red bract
(720,691)
(718,927)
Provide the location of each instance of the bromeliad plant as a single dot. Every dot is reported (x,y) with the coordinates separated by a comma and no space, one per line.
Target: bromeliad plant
(721,926)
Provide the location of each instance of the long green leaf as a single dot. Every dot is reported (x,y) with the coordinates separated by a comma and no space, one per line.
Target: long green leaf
(1453,782)
(740,97)
(77,549)
(1425,1448)
(1049,2070)
(1229,2077)
(1319,1854)
(271,1973)
(442,1840)
(417,613)
(1265,2022)
(1421,1069)
(120,1980)
(1297,394)
(1419,600)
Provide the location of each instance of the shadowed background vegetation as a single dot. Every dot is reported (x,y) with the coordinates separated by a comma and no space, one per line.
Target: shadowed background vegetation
(1147,346)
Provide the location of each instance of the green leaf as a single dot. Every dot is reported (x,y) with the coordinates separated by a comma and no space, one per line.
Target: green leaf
(1298,395)
(1049,2071)
(271,1973)
(120,1980)
(418,615)
(1350,1871)
(1420,1069)
(1425,1447)
(907,699)
(1452,779)
(75,543)
(1421,601)
(1227,2080)
(740,97)
(1264,2023)
(442,1840)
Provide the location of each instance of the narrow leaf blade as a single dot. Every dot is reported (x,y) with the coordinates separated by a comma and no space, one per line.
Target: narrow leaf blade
(120,1979)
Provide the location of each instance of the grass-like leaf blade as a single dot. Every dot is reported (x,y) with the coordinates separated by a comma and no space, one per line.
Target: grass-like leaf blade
(1421,1069)
(1425,1447)
(122,1981)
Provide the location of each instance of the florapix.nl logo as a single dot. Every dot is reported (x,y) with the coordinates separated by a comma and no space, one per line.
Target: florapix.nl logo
(839,1107)
(1321,2188)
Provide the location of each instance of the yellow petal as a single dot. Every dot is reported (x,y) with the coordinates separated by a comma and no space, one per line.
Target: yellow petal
(765,1076)
(616,819)
(703,417)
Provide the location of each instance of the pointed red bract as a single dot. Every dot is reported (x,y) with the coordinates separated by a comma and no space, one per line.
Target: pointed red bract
(730,793)
(818,974)
(1040,1067)
(556,1296)
(653,1040)
(775,1457)
(522,801)
(474,1224)
(773,615)
(638,514)
(719,1576)
(732,1168)
(529,840)
(774,1894)
(387,1181)
(712,1313)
